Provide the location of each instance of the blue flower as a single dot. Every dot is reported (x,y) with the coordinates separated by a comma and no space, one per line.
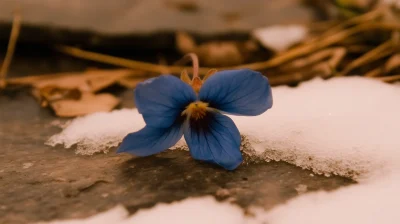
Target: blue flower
(172,108)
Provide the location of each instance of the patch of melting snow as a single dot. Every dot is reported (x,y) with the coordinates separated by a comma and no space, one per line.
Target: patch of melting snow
(280,37)
(346,126)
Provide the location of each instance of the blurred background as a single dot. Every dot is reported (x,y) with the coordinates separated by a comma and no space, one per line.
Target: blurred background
(289,41)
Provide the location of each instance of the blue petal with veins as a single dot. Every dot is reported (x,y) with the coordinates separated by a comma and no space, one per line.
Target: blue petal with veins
(240,92)
(150,140)
(161,100)
(214,139)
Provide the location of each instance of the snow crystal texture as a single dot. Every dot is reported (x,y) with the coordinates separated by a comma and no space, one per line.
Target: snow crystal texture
(344,126)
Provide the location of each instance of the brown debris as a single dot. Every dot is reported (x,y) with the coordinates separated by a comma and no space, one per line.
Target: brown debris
(216,53)
(87,104)
(368,44)
(392,63)
(73,94)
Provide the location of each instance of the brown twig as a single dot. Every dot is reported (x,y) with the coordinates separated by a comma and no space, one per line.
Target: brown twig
(392,78)
(381,51)
(374,72)
(276,61)
(309,48)
(369,16)
(127,63)
(16,26)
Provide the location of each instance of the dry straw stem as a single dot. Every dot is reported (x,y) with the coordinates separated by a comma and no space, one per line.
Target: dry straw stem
(312,47)
(374,72)
(369,16)
(324,68)
(16,26)
(379,52)
(335,54)
(127,63)
(390,79)
(392,63)
(276,61)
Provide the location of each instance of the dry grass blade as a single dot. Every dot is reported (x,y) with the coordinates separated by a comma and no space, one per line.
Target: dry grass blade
(392,63)
(276,61)
(359,48)
(374,72)
(372,15)
(381,51)
(309,48)
(16,26)
(324,68)
(336,55)
(77,77)
(122,62)
(389,79)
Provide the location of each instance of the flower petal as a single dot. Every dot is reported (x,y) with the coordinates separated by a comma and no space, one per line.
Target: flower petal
(161,100)
(150,140)
(214,139)
(240,92)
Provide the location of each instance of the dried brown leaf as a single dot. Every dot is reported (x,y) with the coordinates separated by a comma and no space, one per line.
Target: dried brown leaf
(87,104)
(89,81)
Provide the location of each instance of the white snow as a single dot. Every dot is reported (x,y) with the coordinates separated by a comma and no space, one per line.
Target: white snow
(99,131)
(367,203)
(280,37)
(347,126)
(115,215)
(191,210)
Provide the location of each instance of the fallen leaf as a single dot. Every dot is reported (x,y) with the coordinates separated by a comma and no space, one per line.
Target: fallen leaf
(88,81)
(88,103)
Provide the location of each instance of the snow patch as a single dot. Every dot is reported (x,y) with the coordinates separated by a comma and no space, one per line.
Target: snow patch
(347,126)
(344,126)
(192,210)
(98,132)
(280,37)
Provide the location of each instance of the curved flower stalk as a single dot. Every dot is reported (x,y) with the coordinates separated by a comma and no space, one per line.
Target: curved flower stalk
(173,107)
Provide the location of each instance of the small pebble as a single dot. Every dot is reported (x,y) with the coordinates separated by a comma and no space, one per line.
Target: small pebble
(223,193)
(105,195)
(301,188)
(27,165)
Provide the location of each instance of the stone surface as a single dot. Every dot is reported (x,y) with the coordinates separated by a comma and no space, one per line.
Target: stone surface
(142,24)
(143,16)
(38,182)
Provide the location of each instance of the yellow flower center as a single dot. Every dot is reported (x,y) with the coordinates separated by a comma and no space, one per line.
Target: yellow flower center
(196,110)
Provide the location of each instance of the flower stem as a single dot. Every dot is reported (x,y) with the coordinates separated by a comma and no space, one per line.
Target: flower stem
(195,63)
